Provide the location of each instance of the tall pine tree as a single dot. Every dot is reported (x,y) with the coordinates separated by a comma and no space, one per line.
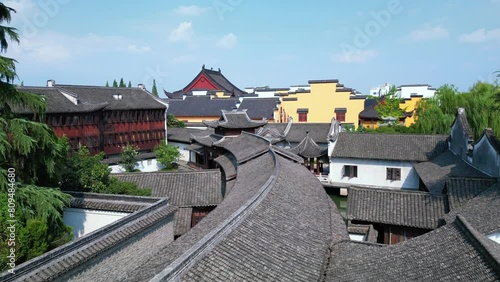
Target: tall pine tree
(129,84)
(154,90)
(115,84)
(122,84)
(107,84)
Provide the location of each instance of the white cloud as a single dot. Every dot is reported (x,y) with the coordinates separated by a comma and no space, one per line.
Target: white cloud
(481,35)
(228,41)
(192,10)
(428,33)
(57,48)
(183,32)
(136,49)
(356,56)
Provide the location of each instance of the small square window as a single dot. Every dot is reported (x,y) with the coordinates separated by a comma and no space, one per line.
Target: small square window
(350,171)
(393,174)
(302,117)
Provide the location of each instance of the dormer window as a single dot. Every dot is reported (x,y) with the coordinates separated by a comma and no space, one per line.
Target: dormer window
(117,96)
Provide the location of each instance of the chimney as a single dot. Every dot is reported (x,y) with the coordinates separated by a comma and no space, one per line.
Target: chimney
(141,86)
(51,83)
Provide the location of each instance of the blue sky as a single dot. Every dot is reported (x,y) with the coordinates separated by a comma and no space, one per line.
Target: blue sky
(257,42)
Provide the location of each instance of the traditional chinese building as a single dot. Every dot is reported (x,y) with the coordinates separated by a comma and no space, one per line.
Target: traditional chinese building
(104,119)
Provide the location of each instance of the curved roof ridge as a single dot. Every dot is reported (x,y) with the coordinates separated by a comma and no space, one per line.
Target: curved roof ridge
(182,264)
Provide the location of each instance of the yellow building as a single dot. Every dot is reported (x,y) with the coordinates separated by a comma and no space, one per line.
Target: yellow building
(325,99)
(369,117)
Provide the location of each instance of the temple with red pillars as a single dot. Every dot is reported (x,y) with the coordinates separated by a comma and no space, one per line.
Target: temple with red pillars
(103,119)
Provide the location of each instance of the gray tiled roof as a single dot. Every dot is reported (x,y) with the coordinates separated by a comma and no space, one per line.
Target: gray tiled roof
(280,240)
(182,221)
(308,148)
(259,108)
(87,250)
(481,211)
(132,98)
(185,135)
(184,189)
(234,119)
(200,106)
(244,146)
(207,140)
(454,252)
(460,189)
(104,202)
(395,207)
(317,131)
(461,117)
(57,103)
(398,147)
(260,232)
(228,164)
(495,143)
(253,175)
(434,173)
(287,154)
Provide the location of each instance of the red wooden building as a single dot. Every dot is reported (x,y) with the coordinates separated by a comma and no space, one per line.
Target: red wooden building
(104,119)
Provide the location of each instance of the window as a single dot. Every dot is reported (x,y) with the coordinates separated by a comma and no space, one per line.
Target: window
(393,174)
(303,117)
(340,117)
(350,171)
(340,114)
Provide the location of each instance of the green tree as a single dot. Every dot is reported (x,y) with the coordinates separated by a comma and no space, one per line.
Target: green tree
(122,84)
(167,155)
(107,84)
(154,91)
(127,188)
(172,121)
(85,173)
(389,105)
(129,158)
(129,84)
(115,84)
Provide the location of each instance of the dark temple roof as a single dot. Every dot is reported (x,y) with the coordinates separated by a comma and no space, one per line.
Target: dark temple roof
(234,120)
(398,147)
(259,108)
(184,189)
(308,148)
(200,106)
(434,173)
(395,207)
(216,78)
